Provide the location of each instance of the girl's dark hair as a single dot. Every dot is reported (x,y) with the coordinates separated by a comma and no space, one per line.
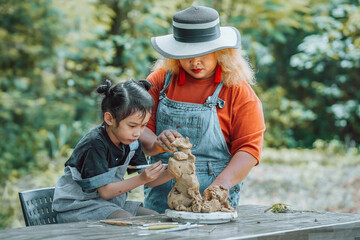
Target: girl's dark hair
(126,98)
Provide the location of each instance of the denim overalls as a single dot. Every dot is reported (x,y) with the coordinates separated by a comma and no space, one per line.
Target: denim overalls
(200,123)
(73,204)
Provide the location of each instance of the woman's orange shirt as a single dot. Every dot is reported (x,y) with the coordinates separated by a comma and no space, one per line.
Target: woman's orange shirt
(241,119)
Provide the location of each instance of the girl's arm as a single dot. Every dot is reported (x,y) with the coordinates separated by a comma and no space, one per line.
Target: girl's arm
(163,178)
(114,189)
(237,170)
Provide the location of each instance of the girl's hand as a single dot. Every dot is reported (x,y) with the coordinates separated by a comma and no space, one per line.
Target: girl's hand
(153,172)
(165,139)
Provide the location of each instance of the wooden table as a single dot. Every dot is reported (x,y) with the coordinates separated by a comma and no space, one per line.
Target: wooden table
(252,223)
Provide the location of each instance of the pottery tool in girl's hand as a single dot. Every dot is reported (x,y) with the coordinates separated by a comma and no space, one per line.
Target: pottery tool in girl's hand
(141,166)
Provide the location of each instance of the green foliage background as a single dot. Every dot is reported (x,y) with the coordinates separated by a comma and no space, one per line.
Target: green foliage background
(54,53)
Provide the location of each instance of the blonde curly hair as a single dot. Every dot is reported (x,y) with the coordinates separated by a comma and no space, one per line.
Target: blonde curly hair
(235,68)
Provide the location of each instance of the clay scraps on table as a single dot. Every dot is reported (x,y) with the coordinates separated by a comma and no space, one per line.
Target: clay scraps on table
(185,195)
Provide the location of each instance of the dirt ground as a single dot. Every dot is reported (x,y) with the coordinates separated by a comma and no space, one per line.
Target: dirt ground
(311,187)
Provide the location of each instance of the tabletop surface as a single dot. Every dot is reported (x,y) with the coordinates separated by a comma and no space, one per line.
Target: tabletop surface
(252,223)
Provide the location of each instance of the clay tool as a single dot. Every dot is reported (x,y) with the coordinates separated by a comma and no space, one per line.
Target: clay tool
(180,228)
(119,223)
(114,222)
(211,230)
(141,166)
(160,227)
(159,224)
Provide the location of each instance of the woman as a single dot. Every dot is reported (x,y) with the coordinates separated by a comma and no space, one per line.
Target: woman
(201,90)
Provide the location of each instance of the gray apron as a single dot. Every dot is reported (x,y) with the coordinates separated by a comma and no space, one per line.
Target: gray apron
(200,123)
(73,204)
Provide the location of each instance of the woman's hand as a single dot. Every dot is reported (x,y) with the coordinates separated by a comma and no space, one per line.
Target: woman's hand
(222,185)
(236,171)
(153,145)
(152,172)
(165,139)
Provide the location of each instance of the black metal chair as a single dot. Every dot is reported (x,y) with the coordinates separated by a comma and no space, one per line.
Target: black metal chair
(36,205)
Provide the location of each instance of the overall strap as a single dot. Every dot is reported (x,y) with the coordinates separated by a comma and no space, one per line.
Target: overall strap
(167,81)
(214,100)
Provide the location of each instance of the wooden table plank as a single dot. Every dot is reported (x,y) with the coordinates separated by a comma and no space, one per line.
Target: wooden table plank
(252,223)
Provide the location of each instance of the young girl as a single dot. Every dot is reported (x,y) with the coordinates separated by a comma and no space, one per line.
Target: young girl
(93,186)
(201,89)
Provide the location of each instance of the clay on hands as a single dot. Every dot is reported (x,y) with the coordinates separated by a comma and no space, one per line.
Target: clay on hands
(185,195)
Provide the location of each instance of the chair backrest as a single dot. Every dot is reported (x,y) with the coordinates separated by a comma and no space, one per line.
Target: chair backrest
(36,205)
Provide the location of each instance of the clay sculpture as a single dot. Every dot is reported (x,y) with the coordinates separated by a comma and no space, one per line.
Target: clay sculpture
(185,195)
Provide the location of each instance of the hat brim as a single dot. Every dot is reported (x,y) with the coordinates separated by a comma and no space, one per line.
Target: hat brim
(168,47)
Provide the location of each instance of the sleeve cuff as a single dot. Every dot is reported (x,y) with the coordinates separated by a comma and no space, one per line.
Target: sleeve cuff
(93,182)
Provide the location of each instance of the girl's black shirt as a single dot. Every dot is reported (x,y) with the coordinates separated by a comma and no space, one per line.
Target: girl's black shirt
(96,154)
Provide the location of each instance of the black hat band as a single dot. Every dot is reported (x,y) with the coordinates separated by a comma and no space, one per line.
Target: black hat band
(195,33)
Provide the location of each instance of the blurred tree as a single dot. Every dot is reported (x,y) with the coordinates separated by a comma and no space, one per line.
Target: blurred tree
(327,71)
(53,54)
(28,34)
(306,56)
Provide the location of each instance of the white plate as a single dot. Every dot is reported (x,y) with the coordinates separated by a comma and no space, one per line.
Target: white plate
(204,218)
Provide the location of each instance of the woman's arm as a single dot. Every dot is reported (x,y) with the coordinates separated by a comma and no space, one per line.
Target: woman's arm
(114,189)
(237,170)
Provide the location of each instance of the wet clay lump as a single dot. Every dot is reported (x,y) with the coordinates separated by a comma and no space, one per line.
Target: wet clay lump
(185,195)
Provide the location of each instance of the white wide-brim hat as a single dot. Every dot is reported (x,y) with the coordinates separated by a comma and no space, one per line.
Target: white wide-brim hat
(196,32)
